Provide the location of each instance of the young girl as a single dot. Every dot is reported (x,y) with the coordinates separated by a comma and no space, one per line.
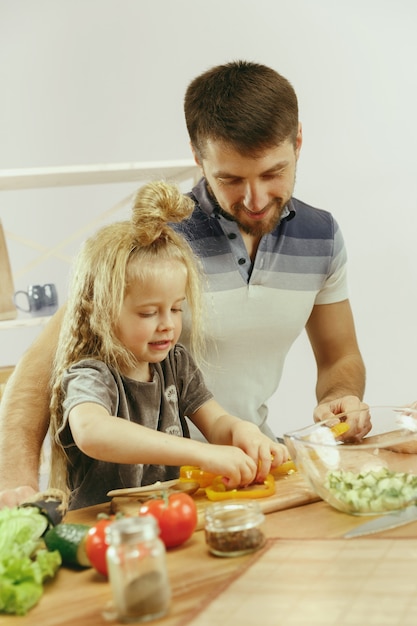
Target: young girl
(122,385)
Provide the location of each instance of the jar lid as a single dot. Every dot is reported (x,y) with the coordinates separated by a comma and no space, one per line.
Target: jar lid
(132,529)
(232,515)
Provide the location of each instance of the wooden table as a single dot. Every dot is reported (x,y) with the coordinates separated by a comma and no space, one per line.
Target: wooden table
(197,578)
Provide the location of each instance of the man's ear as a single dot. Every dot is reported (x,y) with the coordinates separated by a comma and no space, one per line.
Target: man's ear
(196,156)
(298,140)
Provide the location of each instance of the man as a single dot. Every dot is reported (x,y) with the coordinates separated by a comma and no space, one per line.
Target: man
(274,266)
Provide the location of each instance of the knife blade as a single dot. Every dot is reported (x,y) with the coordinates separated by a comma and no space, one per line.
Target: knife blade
(385,522)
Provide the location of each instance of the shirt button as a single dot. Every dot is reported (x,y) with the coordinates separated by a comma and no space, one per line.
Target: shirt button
(242,261)
(232,235)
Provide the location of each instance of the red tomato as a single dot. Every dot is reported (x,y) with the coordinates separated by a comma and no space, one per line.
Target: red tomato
(96,545)
(176,516)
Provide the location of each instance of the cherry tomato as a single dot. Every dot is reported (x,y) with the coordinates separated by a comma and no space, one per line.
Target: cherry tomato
(176,516)
(96,545)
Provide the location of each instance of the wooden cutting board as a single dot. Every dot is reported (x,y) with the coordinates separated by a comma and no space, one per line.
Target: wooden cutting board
(316,582)
(290,491)
(8,310)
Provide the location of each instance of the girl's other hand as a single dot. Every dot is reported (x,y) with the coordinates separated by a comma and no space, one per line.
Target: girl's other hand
(266,453)
(236,467)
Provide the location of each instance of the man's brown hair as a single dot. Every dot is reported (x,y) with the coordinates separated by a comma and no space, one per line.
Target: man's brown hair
(246,105)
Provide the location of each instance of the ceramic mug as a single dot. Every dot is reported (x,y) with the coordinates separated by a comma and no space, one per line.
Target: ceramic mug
(37,298)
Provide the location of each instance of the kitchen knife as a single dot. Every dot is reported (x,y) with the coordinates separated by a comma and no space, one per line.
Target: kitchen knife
(387,521)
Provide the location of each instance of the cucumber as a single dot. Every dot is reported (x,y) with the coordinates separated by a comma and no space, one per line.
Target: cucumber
(374,491)
(69,540)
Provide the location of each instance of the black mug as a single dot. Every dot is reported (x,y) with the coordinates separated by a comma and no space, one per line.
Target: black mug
(38,298)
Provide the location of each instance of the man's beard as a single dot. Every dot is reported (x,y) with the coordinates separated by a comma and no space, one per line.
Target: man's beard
(257,229)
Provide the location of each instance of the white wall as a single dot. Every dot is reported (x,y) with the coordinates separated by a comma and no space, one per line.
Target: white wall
(86,81)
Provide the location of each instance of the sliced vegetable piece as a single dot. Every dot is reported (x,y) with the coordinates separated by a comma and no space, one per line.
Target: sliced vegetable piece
(218,490)
(69,540)
(339,429)
(376,490)
(285,468)
(192,473)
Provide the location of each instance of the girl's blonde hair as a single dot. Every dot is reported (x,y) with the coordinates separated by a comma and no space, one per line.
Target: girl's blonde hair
(109,261)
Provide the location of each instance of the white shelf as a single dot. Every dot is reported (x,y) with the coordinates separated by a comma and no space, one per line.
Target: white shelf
(24,322)
(97,174)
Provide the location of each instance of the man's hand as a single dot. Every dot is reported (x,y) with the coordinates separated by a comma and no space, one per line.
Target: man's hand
(358,417)
(13,497)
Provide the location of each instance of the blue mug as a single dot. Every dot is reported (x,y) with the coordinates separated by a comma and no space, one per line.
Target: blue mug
(38,299)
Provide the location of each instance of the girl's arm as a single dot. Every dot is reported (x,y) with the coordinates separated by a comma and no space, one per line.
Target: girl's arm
(219,427)
(108,438)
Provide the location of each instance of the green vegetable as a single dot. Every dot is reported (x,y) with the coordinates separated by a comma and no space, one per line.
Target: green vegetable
(69,540)
(375,491)
(24,562)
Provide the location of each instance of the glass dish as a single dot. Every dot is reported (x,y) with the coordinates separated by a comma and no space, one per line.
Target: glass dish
(373,476)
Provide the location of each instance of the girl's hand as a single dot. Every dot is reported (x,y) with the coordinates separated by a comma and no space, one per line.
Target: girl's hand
(237,468)
(266,453)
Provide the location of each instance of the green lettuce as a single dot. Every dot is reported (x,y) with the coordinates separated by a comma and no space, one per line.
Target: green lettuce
(24,561)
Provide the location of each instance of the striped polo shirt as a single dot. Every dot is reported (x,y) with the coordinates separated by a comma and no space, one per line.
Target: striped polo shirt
(254,312)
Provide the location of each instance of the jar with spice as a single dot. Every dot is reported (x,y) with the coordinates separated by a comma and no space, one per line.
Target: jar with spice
(233,528)
(137,569)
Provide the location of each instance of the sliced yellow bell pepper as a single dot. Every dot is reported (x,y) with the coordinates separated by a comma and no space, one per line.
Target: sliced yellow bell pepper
(191,473)
(218,490)
(285,468)
(289,466)
(339,428)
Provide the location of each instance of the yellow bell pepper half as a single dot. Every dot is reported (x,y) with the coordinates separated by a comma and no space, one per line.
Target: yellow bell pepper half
(218,490)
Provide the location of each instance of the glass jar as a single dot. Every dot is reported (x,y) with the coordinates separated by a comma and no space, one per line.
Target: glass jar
(233,527)
(137,569)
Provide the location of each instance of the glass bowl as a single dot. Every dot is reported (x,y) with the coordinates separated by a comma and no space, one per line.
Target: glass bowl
(373,476)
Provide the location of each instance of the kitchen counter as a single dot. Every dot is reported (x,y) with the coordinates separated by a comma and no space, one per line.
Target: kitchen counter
(304,572)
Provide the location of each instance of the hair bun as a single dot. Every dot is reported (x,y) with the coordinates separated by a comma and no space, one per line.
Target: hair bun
(156,205)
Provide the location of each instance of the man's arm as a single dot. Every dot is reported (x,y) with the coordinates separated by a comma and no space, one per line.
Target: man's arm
(340,368)
(24,417)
